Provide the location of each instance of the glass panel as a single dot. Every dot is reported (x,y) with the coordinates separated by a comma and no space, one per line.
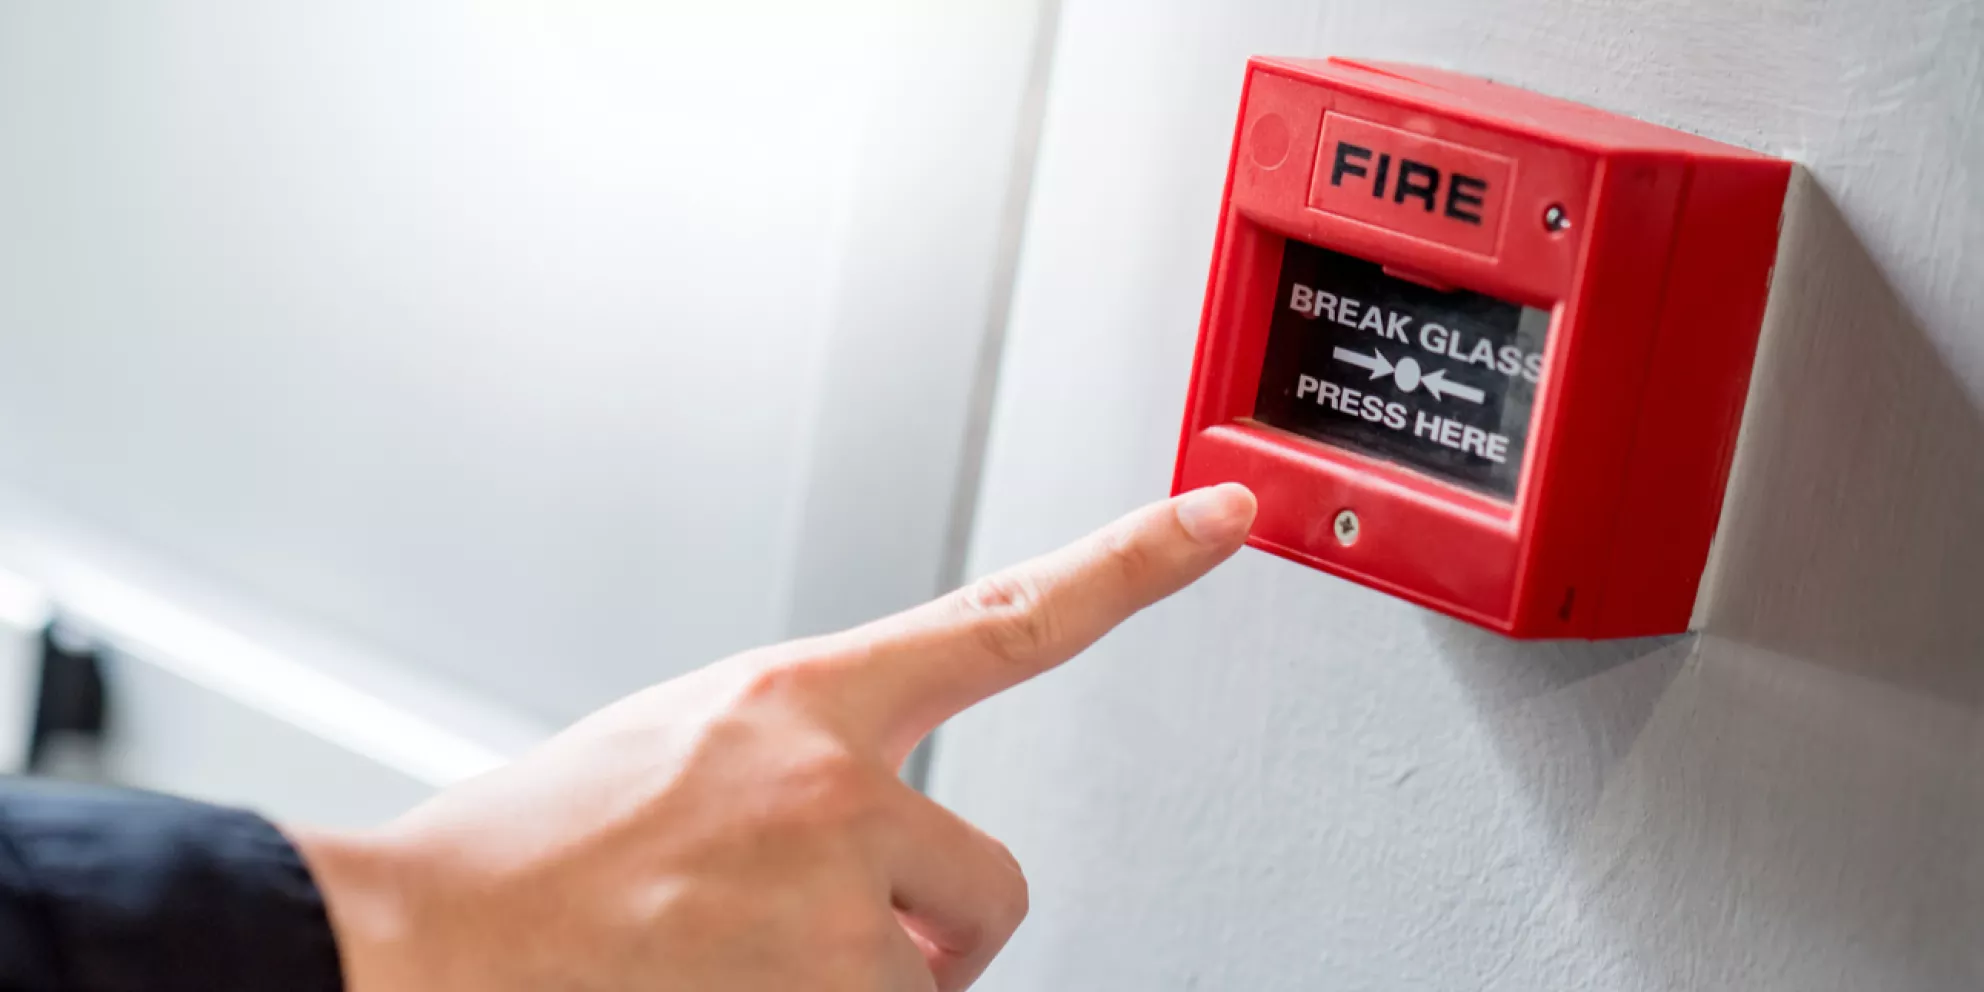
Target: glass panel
(1442,382)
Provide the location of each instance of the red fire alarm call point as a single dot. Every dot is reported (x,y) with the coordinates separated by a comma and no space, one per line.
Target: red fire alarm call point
(1478,348)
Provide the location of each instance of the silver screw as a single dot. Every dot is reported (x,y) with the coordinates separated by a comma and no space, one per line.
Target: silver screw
(1347,528)
(1556,218)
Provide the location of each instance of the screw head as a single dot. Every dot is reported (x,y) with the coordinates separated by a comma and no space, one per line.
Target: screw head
(1556,218)
(1347,528)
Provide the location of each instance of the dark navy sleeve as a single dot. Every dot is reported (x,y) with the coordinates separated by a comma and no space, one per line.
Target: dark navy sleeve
(106,891)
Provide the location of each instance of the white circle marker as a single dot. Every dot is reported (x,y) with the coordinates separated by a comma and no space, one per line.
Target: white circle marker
(1407,373)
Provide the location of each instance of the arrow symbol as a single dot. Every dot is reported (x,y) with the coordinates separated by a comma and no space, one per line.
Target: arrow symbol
(1375,362)
(1438,385)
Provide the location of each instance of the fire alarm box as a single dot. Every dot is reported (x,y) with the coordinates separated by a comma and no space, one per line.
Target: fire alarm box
(1478,348)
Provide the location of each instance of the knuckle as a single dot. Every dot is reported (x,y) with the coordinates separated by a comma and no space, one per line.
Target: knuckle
(829,787)
(1127,559)
(775,676)
(1010,617)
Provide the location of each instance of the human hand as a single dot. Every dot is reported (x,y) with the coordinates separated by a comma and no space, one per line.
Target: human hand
(742,828)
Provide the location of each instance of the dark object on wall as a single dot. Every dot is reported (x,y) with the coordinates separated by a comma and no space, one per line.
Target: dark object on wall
(71,708)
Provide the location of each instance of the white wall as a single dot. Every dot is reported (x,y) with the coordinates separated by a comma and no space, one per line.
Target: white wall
(1284,781)
(486,329)
(24,611)
(212,695)
(502,338)
(936,211)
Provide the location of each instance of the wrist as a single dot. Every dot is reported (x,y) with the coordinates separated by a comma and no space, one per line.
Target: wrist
(362,880)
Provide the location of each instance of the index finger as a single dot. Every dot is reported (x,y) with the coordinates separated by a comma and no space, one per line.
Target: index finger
(920,667)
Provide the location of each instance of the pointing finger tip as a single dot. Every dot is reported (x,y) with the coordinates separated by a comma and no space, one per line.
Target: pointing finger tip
(1217,516)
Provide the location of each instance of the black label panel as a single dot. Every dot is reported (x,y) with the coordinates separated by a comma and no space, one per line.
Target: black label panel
(1440,382)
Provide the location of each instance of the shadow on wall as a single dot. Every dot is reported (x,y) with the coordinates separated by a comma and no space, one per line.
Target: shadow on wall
(1854,528)
(1824,755)
(1794,798)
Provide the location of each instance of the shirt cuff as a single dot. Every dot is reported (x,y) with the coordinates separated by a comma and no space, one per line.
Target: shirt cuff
(136,891)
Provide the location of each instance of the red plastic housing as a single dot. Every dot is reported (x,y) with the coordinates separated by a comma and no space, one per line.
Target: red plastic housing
(1655,291)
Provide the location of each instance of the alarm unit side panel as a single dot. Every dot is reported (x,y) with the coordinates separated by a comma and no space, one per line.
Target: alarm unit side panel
(1698,375)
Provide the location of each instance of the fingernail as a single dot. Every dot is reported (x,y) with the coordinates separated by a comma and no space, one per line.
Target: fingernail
(1217,516)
